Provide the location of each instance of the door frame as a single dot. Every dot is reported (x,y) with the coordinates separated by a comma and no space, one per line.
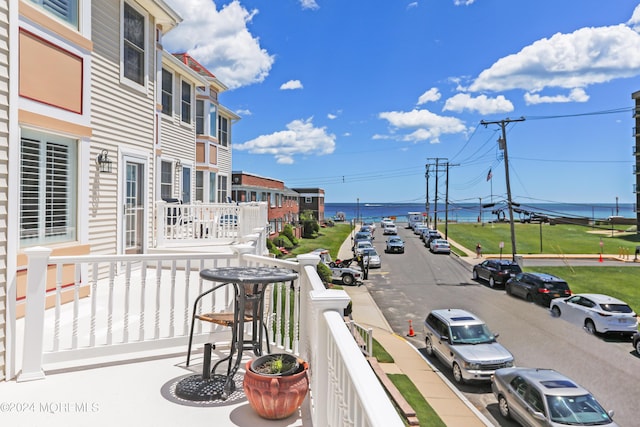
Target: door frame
(142,159)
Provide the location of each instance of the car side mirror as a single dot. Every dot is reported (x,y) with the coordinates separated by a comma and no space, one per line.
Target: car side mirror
(445,338)
(611,413)
(496,335)
(539,416)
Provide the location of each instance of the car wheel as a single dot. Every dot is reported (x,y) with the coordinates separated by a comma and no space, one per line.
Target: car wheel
(347,279)
(590,327)
(332,264)
(637,346)
(457,373)
(504,407)
(555,311)
(428,347)
(507,288)
(475,274)
(529,298)
(492,282)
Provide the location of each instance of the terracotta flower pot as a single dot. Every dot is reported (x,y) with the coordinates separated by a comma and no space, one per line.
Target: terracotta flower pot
(276,396)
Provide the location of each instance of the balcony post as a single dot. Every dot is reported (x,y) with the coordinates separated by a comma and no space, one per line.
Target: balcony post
(241,250)
(34,314)
(161,222)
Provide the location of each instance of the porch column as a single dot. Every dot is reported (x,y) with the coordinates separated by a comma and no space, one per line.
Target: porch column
(34,314)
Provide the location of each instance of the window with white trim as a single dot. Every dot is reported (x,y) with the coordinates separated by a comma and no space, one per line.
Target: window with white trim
(186,102)
(199,117)
(48,189)
(308,200)
(213,120)
(133,44)
(199,186)
(65,10)
(166,180)
(167,92)
(212,187)
(222,188)
(223,131)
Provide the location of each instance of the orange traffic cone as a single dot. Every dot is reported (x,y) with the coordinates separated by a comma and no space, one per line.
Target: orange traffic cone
(411,331)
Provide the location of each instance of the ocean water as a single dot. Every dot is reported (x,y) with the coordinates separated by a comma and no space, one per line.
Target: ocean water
(469,212)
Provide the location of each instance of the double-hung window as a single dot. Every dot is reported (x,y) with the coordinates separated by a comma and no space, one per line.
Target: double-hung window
(166,180)
(133,44)
(48,189)
(167,92)
(199,117)
(212,187)
(186,102)
(223,131)
(222,188)
(199,186)
(65,10)
(213,120)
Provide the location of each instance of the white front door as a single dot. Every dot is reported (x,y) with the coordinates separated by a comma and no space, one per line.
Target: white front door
(134,207)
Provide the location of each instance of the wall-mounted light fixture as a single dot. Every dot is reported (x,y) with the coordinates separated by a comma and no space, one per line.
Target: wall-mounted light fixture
(103,161)
(178,164)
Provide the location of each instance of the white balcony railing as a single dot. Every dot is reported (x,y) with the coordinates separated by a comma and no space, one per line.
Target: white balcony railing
(116,305)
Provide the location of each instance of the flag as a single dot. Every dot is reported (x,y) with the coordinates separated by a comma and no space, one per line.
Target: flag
(489,175)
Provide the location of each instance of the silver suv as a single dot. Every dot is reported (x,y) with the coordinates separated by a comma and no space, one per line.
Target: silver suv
(464,343)
(544,397)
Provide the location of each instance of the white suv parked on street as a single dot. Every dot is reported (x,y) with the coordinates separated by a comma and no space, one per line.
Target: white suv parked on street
(464,343)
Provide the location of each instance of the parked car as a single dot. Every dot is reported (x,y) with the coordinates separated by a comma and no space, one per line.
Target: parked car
(361,246)
(429,235)
(544,397)
(371,258)
(369,223)
(439,246)
(540,288)
(465,344)
(385,221)
(636,342)
(496,271)
(417,229)
(367,229)
(395,244)
(361,236)
(389,229)
(597,313)
(346,275)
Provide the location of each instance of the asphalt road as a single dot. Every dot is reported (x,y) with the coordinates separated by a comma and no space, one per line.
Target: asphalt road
(409,285)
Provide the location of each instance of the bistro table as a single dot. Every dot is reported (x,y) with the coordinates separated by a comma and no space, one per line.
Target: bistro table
(249,285)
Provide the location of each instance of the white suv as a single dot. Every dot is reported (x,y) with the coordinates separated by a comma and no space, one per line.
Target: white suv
(464,343)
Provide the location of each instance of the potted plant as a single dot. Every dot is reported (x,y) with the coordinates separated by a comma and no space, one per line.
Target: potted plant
(276,384)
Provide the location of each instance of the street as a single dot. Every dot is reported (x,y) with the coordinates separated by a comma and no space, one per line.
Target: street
(409,285)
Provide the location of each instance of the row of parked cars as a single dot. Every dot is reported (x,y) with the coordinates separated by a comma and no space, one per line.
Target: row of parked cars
(432,238)
(531,396)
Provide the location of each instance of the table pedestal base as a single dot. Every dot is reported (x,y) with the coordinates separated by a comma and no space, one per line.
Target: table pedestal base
(199,389)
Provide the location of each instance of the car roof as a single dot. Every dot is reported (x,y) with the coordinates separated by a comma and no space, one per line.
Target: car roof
(457,316)
(550,382)
(505,261)
(546,277)
(602,299)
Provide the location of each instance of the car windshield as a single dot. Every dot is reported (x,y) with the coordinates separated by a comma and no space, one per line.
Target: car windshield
(397,240)
(577,410)
(471,334)
(370,252)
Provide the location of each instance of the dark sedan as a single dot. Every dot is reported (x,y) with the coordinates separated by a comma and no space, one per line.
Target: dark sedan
(496,271)
(394,245)
(540,288)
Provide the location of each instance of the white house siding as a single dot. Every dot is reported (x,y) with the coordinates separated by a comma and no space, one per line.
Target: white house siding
(122,121)
(4,148)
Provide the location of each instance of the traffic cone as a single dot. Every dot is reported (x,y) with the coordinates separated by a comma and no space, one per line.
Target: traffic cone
(411,331)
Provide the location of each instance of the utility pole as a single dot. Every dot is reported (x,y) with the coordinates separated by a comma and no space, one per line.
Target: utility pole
(426,175)
(503,145)
(446,211)
(435,197)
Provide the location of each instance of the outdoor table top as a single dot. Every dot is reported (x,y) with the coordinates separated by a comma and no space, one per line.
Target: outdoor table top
(253,275)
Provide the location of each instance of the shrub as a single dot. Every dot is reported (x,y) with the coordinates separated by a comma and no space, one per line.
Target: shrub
(283,241)
(288,232)
(325,273)
(273,249)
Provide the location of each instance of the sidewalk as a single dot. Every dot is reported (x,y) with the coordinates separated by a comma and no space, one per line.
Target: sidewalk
(450,405)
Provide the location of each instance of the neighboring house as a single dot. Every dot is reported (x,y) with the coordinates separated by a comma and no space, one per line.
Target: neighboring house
(283,202)
(312,199)
(207,178)
(95,147)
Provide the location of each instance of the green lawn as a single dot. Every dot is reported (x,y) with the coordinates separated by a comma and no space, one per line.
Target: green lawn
(330,238)
(425,413)
(553,239)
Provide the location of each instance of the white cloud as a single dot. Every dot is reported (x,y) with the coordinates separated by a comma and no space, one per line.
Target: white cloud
(463,2)
(412,5)
(425,124)
(300,138)
(634,22)
(220,40)
(431,95)
(291,85)
(576,60)
(309,4)
(576,95)
(331,116)
(482,104)
(243,112)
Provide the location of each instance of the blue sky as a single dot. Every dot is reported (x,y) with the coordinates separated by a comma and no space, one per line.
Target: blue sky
(357,96)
